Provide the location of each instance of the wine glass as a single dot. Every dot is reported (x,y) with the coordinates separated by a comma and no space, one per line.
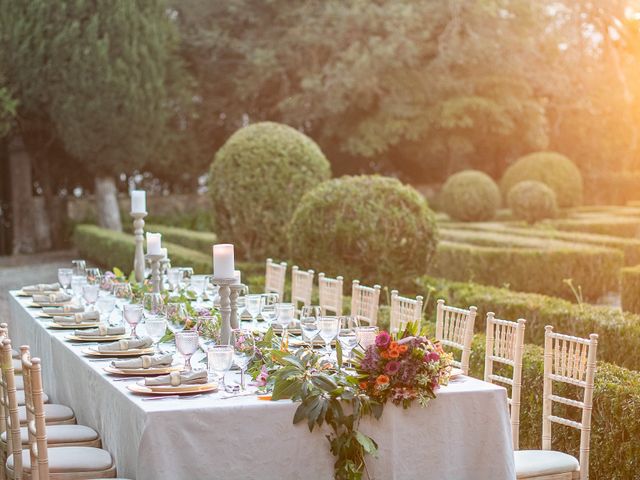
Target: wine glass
(123,294)
(79,267)
(366,336)
(309,323)
(156,326)
(347,335)
(94,276)
(187,345)
(176,315)
(64,277)
(77,282)
(105,305)
(133,315)
(243,350)
(174,277)
(253,305)
(152,303)
(269,313)
(219,361)
(198,285)
(285,313)
(90,294)
(329,327)
(187,274)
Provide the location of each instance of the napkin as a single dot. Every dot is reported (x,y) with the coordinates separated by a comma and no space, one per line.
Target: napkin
(63,309)
(59,297)
(124,344)
(41,287)
(145,361)
(175,379)
(101,331)
(80,317)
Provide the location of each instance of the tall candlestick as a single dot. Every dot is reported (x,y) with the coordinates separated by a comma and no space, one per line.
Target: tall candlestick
(154,246)
(138,201)
(223,262)
(138,258)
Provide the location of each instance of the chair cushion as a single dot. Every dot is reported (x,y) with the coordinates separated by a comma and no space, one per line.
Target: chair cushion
(53,413)
(20,397)
(70,459)
(57,434)
(534,463)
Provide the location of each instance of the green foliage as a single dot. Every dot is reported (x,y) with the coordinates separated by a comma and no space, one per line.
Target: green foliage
(615,423)
(540,310)
(199,241)
(532,201)
(536,270)
(630,289)
(367,227)
(7,110)
(257,179)
(470,196)
(604,225)
(196,219)
(552,169)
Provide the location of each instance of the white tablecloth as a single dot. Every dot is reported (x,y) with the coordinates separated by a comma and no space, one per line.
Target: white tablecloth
(462,434)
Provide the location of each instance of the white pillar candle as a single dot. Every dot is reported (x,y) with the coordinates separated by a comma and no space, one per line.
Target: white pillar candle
(165,253)
(238,276)
(138,201)
(223,264)
(154,246)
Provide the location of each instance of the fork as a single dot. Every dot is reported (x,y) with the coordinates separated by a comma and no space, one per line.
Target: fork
(181,396)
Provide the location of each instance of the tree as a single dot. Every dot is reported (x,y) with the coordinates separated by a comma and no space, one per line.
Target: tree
(100,77)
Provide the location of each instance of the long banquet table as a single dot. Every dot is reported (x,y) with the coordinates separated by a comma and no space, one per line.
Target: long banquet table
(463,434)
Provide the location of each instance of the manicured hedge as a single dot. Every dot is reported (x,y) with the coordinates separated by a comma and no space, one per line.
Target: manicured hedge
(619,332)
(470,196)
(605,225)
(630,289)
(199,241)
(530,269)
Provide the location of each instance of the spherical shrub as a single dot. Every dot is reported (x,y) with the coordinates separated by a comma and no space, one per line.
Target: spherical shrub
(553,169)
(532,201)
(257,179)
(367,227)
(470,196)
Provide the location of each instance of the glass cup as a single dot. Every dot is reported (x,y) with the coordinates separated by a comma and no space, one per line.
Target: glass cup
(90,294)
(105,306)
(187,345)
(347,336)
(329,328)
(253,305)
(199,285)
(174,277)
(187,274)
(133,315)
(77,282)
(176,315)
(153,304)
(309,315)
(79,267)
(94,276)
(156,326)
(243,351)
(64,277)
(285,314)
(366,336)
(219,361)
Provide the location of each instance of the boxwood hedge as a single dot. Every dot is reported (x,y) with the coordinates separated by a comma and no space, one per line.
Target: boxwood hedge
(630,289)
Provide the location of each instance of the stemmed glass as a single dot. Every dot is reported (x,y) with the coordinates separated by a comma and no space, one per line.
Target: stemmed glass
(329,327)
(187,274)
(79,267)
(94,276)
(243,351)
(77,282)
(366,336)
(156,326)
(133,315)
(187,345)
(219,361)
(285,313)
(253,305)
(174,277)
(199,285)
(90,294)
(153,304)
(309,323)
(105,305)
(347,335)
(123,294)
(176,315)
(64,277)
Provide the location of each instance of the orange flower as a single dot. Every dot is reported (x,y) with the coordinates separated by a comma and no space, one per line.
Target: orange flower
(395,353)
(403,348)
(363,385)
(382,380)
(385,354)
(393,346)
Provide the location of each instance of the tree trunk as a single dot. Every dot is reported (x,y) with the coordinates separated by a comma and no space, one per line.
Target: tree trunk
(107,203)
(21,200)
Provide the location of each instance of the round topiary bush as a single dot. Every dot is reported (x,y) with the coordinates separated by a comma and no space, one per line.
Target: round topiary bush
(470,196)
(532,201)
(367,227)
(257,179)
(553,169)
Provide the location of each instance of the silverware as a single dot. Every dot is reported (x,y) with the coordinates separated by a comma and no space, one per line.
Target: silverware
(245,394)
(182,396)
(124,379)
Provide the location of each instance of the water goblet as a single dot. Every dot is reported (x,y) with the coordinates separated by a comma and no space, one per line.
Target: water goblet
(309,323)
(198,285)
(285,313)
(243,351)
(152,303)
(366,336)
(219,361)
(156,326)
(133,315)
(269,313)
(253,305)
(90,294)
(329,327)
(94,276)
(77,282)
(174,277)
(79,267)
(105,306)
(187,345)
(64,277)
(176,315)
(187,274)
(123,294)
(347,335)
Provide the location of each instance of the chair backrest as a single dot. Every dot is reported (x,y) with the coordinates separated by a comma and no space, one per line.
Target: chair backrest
(365,302)
(330,294)
(275,277)
(9,402)
(36,423)
(301,287)
(404,310)
(454,329)
(570,360)
(505,344)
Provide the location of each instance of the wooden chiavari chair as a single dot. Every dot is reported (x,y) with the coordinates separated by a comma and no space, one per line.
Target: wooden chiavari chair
(365,302)
(454,329)
(301,288)
(275,277)
(330,294)
(404,310)
(505,345)
(38,462)
(569,360)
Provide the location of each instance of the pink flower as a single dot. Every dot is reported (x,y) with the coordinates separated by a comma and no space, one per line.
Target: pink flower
(261,379)
(433,357)
(383,339)
(392,368)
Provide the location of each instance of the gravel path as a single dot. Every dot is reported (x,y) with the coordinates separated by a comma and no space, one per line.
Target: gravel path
(19,270)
